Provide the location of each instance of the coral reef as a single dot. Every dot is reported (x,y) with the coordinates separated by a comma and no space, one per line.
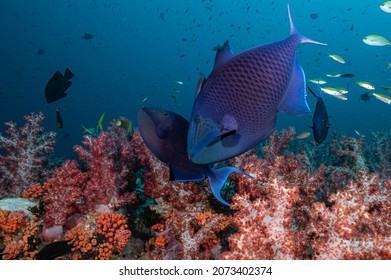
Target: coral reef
(305,201)
(23,154)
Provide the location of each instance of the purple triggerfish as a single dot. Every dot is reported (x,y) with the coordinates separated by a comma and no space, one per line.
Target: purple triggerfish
(236,106)
(165,134)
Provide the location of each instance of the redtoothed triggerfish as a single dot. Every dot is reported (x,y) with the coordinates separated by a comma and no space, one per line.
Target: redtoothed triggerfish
(165,134)
(320,120)
(236,106)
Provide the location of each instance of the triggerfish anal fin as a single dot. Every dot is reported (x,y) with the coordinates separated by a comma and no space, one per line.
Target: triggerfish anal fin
(218,177)
(294,32)
(294,100)
(223,54)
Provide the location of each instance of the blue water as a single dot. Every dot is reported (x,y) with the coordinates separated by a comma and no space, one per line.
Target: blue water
(140,49)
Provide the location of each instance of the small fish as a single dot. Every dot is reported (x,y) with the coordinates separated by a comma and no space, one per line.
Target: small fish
(341,97)
(376,41)
(54,250)
(318,81)
(57,85)
(320,119)
(347,75)
(90,130)
(334,91)
(314,16)
(387,88)
(337,58)
(99,124)
(145,99)
(165,134)
(59,120)
(365,97)
(382,97)
(303,135)
(365,85)
(40,52)
(333,75)
(127,125)
(357,132)
(175,98)
(179,82)
(386,7)
(87,36)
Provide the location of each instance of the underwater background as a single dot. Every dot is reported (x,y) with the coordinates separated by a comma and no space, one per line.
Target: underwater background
(89,186)
(140,50)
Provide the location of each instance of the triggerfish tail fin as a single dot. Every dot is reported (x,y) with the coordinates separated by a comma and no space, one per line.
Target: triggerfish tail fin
(294,32)
(68,74)
(294,100)
(218,177)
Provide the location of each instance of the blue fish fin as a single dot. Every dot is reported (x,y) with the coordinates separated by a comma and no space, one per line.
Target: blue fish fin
(201,82)
(183,176)
(318,95)
(223,54)
(294,100)
(218,177)
(294,32)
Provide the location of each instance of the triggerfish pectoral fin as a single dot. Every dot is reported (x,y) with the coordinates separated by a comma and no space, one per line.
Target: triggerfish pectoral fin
(203,132)
(294,100)
(218,177)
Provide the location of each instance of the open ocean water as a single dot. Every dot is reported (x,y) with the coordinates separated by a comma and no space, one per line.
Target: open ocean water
(127,54)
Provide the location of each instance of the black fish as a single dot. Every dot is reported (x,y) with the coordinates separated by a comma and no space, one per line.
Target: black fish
(320,120)
(57,85)
(365,97)
(54,250)
(40,52)
(59,120)
(87,36)
(347,75)
(314,16)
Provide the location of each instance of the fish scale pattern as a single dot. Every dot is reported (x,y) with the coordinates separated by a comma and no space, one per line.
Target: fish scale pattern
(255,77)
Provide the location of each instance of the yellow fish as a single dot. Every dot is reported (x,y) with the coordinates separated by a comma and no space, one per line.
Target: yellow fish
(387,88)
(365,85)
(127,125)
(99,125)
(382,97)
(376,41)
(318,81)
(386,7)
(337,58)
(334,75)
(303,135)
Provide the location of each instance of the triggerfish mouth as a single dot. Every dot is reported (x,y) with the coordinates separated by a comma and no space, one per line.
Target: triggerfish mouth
(165,134)
(236,106)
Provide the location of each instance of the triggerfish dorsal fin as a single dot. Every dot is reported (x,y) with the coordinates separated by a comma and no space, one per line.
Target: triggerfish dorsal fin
(294,100)
(201,82)
(294,32)
(217,178)
(223,54)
